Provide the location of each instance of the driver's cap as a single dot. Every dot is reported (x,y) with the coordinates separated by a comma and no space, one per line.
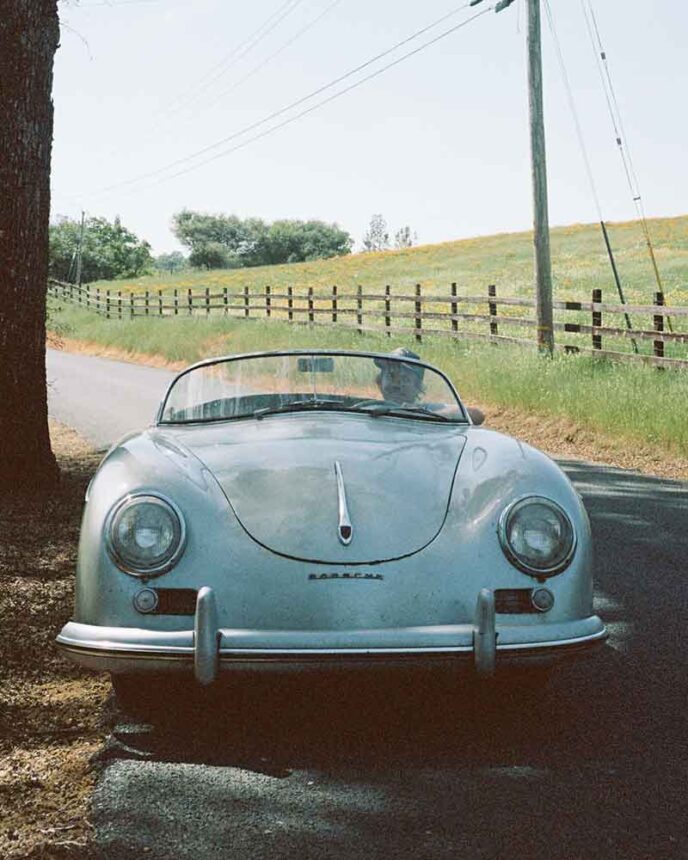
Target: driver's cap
(402,352)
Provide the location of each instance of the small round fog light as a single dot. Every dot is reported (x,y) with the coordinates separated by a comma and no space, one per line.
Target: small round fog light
(146,600)
(542,599)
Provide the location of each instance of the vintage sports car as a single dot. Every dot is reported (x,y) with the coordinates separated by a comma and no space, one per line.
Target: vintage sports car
(326,508)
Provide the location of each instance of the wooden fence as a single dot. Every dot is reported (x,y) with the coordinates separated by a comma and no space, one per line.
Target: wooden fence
(415,314)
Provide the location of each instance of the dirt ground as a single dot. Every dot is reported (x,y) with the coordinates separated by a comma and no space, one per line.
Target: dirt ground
(51,714)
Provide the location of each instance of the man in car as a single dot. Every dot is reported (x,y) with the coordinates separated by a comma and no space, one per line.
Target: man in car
(398,381)
(402,382)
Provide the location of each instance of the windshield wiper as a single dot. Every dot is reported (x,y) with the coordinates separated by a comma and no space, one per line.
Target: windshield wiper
(402,411)
(302,405)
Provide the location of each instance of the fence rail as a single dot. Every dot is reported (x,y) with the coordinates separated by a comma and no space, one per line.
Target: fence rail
(382,312)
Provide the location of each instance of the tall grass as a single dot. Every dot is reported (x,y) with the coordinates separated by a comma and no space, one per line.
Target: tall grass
(636,403)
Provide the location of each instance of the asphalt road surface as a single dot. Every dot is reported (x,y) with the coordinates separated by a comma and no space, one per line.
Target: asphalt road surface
(390,766)
(101,398)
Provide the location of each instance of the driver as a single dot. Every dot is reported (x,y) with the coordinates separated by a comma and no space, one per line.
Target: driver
(400,382)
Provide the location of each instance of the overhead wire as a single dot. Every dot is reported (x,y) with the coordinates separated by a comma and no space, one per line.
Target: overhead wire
(156,130)
(276,53)
(329,99)
(586,160)
(232,57)
(620,135)
(275,114)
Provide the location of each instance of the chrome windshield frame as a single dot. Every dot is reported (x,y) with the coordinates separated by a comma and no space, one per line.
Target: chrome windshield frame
(209,362)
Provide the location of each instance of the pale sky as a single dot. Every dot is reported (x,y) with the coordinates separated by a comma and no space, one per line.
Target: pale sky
(438,142)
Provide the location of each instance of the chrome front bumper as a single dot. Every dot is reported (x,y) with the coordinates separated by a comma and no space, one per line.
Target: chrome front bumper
(207,648)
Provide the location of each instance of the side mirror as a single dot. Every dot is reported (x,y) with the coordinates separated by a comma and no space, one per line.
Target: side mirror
(477,415)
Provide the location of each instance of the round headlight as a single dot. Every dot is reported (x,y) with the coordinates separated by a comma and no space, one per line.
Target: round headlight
(537,536)
(145,535)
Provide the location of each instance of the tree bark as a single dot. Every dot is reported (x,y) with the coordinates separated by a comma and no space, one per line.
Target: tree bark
(29,36)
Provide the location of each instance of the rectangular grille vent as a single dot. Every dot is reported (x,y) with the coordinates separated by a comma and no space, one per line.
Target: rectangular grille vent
(175,601)
(514,601)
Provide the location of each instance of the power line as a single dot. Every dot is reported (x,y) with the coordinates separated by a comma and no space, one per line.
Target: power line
(151,130)
(586,159)
(621,140)
(276,53)
(229,59)
(329,99)
(275,114)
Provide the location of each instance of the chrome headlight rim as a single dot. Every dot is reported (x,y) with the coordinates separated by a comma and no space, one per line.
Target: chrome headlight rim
(141,571)
(517,560)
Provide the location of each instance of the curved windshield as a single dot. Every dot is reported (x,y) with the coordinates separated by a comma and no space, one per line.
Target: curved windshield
(262,385)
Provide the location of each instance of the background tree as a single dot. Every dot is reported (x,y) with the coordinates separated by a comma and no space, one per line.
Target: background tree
(376,237)
(29,36)
(108,251)
(403,238)
(253,242)
(175,261)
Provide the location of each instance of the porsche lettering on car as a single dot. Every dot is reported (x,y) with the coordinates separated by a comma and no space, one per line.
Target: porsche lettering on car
(304,508)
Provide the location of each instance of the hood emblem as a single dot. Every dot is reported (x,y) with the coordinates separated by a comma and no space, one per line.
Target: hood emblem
(345,531)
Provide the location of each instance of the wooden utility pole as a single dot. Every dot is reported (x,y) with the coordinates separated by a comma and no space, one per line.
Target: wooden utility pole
(543,263)
(79,250)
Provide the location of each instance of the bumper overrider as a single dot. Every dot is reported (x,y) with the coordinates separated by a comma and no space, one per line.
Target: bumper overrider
(208,648)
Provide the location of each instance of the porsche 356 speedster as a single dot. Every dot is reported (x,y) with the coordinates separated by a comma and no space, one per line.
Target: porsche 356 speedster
(305,508)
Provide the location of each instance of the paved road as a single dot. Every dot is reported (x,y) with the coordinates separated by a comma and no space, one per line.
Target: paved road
(354,767)
(101,398)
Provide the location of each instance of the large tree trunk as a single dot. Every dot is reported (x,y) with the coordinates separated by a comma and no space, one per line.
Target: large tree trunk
(29,36)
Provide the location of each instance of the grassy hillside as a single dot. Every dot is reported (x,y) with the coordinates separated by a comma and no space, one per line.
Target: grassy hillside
(579,260)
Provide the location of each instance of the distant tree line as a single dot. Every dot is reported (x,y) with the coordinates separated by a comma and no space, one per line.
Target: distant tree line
(107,250)
(227,241)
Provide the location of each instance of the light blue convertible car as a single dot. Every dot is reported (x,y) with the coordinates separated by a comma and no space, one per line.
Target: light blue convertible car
(304,508)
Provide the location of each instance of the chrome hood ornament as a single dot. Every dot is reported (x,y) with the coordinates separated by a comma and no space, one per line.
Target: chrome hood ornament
(345,531)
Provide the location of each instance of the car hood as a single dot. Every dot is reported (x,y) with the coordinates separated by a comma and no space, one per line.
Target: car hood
(279,475)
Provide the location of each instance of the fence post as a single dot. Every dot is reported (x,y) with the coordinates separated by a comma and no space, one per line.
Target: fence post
(107,304)
(147,295)
(492,294)
(189,301)
(131,306)
(207,301)
(311,316)
(334,303)
(268,301)
(160,308)
(658,320)
(419,314)
(388,309)
(97,300)
(454,308)
(290,303)
(176,301)
(119,304)
(225,300)
(247,308)
(597,319)
(88,296)
(359,308)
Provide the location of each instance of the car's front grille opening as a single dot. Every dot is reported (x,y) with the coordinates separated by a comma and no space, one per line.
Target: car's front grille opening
(175,601)
(514,601)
